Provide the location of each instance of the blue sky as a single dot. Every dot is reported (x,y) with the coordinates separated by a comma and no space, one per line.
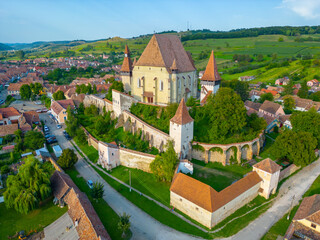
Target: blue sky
(48,20)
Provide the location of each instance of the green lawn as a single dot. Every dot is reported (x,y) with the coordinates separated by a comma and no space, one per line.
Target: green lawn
(154,210)
(108,217)
(11,221)
(217,180)
(144,182)
(90,151)
(237,170)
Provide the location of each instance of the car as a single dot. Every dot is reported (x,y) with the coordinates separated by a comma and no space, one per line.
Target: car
(59,126)
(90,184)
(51,140)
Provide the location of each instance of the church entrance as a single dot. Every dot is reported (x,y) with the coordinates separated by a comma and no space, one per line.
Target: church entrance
(150,99)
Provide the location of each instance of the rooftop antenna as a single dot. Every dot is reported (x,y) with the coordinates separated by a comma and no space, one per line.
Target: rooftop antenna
(187,25)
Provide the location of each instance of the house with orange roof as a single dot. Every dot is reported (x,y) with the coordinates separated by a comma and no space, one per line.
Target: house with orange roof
(164,73)
(211,80)
(9,115)
(59,109)
(274,93)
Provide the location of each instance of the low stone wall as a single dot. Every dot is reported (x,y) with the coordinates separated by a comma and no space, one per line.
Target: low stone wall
(155,137)
(224,153)
(55,164)
(98,102)
(134,159)
(91,140)
(288,171)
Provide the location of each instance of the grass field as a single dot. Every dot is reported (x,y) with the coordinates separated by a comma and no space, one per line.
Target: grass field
(11,221)
(108,217)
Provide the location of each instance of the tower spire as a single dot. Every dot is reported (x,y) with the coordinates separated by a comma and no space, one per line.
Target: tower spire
(211,73)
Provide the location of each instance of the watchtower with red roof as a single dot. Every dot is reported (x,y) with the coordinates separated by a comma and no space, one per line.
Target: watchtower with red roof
(181,130)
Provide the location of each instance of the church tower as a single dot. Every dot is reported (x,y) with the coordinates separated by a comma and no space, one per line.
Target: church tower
(181,130)
(126,70)
(211,80)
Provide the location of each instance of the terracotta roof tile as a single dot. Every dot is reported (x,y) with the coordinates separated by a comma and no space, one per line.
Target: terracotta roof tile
(8,129)
(205,196)
(9,112)
(211,73)
(126,64)
(270,107)
(268,165)
(182,115)
(161,51)
(309,206)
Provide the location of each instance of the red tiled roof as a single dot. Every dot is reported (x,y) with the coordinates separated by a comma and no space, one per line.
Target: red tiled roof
(9,112)
(268,165)
(182,115)
(127,64)
(211,73)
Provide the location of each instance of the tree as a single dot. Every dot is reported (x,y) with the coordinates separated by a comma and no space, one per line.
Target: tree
(242,88)
(81,108)
(297,147)
(97,190)
(266,96)
(308,122)
(26,189)
(289,103)
(78,89)
(33,140)
(124,224)
(89,88)
(101,126)
(256,123)
(20,54)
(303,91)
(58,95)
(94,89)
(117,85)
(288,89)
(280,39)
(5,169)
(191,102)
(315,96)
(227,113)
(68,158)
(260,57)
(163,165)
(25,92)
(91,110)
(71,122)
(81,136)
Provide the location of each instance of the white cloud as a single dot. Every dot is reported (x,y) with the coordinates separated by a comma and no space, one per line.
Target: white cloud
(308,9)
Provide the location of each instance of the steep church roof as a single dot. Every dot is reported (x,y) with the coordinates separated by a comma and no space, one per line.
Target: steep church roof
(268,165)
(127,64)
(182,115)
(161,51)
(211,73)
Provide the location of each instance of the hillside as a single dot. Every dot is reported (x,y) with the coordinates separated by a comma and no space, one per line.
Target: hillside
(4,47)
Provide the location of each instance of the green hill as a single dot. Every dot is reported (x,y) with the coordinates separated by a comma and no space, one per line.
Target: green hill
(4,47)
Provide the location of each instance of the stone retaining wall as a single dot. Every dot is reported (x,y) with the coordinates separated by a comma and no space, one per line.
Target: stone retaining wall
(288,171)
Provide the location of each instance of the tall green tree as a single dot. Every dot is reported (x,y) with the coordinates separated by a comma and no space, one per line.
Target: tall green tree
(288,89)
(117,85)
(58,95)
(266,96)
(71,123)
(227,113)
(124,224)
(97,190)
(303,91)
(308,122)
(26,189)
(297,147)
(33,140)
(25,92)
(289,103)
(68,158)
(242,88)
(315,96)
(163,165)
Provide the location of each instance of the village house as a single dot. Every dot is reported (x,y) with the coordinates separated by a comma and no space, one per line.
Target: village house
(164,73)
(211,80)
(209,207)
(14,89)
(313,83)
(59,109)
(9,115)
(274,93)
(254,95)
(272,109)
(303,105)
(282,81)
(285,121)
(306,222)
(27,119)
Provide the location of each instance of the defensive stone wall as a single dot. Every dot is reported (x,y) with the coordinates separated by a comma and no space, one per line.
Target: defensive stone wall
(134,159)
(288,171)
(226,153)
(155,137)
(91,140)
(98,102)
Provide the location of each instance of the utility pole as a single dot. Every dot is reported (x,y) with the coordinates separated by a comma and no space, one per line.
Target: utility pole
(288,217)
(130,179)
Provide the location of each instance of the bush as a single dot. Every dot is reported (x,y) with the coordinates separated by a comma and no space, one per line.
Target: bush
(68,158)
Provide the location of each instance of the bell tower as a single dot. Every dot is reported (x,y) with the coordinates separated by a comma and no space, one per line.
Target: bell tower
(126,70)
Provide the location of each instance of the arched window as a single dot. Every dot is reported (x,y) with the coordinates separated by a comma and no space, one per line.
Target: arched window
(139,82)
(161,85)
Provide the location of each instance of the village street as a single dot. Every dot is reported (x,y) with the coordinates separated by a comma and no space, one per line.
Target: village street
(145,227)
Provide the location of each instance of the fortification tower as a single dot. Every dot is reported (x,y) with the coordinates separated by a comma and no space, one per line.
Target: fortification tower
(126,70)
(181,130)
(211,80)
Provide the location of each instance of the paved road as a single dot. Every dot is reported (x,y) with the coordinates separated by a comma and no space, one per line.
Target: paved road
(142,225)
(145,227)
(295,187)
